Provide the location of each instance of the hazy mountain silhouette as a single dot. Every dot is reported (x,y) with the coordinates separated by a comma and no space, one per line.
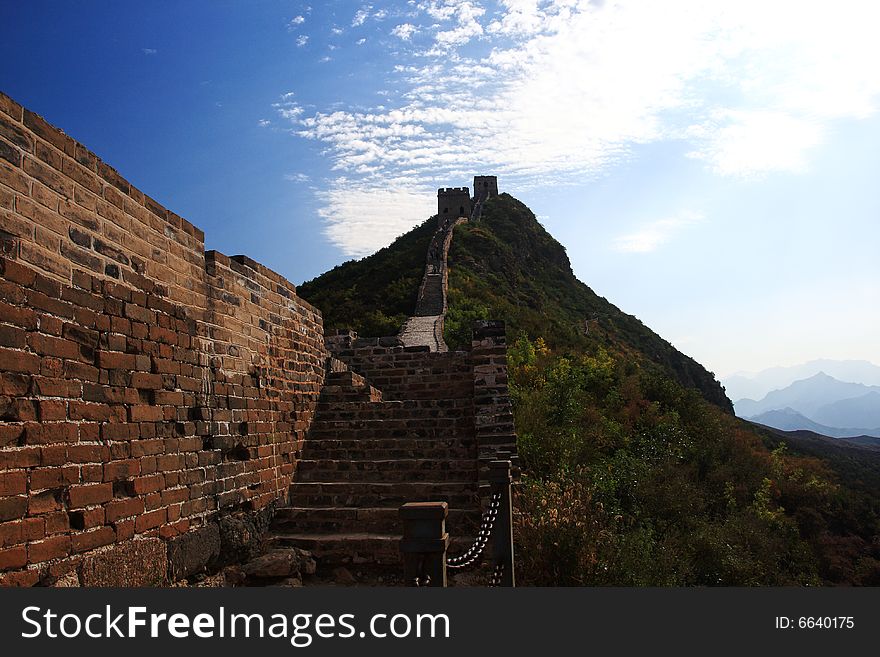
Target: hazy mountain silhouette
(806,396)
(788,419)
(754,385)
(861,411)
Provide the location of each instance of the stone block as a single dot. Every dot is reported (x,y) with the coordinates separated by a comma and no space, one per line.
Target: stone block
(136,563)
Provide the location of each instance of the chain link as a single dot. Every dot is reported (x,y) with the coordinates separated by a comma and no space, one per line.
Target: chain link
(474,551)
(497,574)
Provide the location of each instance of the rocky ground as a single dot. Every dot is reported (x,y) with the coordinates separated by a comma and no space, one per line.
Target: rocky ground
(294,567)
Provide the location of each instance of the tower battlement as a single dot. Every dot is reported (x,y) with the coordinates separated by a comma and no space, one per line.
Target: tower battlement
(452,203)
(485,187)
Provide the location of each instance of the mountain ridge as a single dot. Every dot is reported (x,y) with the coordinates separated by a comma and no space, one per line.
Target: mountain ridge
(788,419)
(755,385)
(504,266)
(805,396)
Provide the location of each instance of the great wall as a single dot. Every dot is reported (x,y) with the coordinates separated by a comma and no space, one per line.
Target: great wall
(166,411)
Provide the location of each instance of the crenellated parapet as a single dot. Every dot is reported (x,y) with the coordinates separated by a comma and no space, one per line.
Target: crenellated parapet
(452,203)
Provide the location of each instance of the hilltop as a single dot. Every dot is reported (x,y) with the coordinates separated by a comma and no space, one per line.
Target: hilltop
(504,266)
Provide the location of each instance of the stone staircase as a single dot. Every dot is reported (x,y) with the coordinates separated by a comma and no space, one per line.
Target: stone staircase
(363,458)
(432,301)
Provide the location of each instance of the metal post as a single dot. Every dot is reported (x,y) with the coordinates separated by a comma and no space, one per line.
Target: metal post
(424,543)
(502,534)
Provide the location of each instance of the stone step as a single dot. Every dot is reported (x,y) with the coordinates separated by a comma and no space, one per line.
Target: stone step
(392,404)
(393,408)
(386,448)
(353,548)
(346,432)
(375,494)
(347,386)
(346,548)
(386,470)
(383,454)
(374,520)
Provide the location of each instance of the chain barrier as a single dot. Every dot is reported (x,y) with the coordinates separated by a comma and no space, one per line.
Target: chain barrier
(474,551)
(497,574)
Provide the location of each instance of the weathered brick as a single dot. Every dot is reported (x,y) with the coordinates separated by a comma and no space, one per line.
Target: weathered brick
(50,548)
(16,134)
(145,381)
(13,558)
(86,518)
(47,345)
(13,177)
(82,257)
(93,539)
(110,360)
(13,508)
(87,495)
(19,361)
(144,413)
(13,482)
(44,502)
(118,509)
(144,485)
(118,432)
(150,520)
(89,411)
(44,130)
(48,176)
(121,469)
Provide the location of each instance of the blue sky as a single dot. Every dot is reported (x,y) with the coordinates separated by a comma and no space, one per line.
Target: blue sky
(711,167)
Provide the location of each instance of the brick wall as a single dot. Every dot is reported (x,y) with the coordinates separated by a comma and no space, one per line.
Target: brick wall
(478,376)
(406,372)
(150,392)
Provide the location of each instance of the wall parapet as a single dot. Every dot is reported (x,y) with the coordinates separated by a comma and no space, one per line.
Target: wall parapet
(148,388)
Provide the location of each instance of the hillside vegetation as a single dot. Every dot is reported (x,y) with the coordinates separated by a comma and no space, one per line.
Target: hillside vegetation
(376,294)
(506,266)
(635,471)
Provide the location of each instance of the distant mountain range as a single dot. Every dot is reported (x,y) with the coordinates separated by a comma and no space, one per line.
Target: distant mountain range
(819,403)
(744,385)
(788,419)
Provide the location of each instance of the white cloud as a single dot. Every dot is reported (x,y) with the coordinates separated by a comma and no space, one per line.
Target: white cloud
(296,21)
(751,143)
(404,31)
(264,123)
(297,177)
(361,16)
(336,31)
(361,219)
(302,40)
(361,42)
(653,235)
(149,51)
(564,89)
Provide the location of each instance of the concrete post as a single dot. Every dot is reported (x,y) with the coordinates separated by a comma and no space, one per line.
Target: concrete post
(424,543)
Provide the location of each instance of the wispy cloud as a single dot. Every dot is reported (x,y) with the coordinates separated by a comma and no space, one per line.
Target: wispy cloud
(361,16)
(566,88)
(302,40)
(295,22)
(404,31)
(149,51)
(263,123)
(361,218)
(653,235)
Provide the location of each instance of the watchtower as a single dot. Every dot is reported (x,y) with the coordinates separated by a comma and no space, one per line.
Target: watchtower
(485,187)
(452,203)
